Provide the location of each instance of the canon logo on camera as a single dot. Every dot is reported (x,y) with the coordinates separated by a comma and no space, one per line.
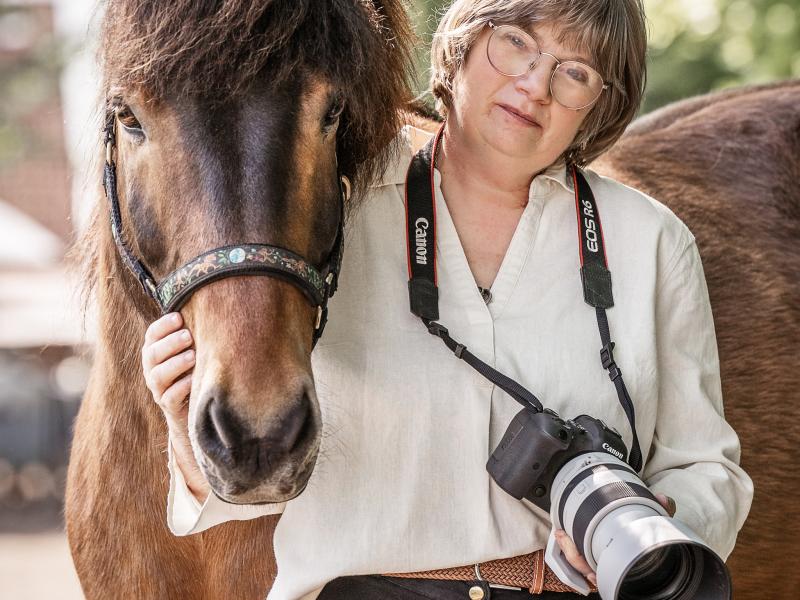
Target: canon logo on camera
(613,451)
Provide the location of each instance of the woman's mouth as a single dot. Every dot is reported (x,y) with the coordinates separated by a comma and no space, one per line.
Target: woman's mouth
(518,116)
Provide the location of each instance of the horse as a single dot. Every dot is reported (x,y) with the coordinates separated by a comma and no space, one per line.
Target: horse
(232,132)
(728,164)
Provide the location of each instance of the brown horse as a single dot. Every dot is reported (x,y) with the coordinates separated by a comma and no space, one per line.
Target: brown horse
(228,124)
(728,164)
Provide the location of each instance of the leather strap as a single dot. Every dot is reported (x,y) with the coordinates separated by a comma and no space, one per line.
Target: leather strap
(528,572)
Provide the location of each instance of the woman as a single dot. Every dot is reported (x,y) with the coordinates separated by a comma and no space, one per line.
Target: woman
(527,86)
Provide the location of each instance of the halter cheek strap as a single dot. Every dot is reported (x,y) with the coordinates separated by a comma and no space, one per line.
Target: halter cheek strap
(226,261)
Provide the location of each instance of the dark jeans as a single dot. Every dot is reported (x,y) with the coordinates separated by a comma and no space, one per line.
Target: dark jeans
(378,587)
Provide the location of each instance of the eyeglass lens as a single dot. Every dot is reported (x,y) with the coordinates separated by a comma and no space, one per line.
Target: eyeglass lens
(513,52)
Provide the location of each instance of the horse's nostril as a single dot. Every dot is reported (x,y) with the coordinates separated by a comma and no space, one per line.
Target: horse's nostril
(228,439)
(296,423)
(221,430)
(225,424)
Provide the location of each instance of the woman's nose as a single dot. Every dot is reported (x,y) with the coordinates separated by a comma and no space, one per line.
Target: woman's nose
(536,82)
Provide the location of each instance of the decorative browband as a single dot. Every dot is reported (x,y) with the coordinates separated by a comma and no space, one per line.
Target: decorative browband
(239,259)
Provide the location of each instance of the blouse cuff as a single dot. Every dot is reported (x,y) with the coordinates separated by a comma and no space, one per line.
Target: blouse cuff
(185,515)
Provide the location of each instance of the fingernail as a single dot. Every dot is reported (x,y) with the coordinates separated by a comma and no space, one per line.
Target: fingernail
(175,317)
(189,355)
(185,336)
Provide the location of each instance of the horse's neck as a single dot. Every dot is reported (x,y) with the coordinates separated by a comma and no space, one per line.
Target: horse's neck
(119,387)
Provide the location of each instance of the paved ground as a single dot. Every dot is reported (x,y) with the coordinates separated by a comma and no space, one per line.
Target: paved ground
(37,566)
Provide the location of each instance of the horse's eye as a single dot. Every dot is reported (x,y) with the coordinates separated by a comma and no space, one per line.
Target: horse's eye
(334,111)
(128,119)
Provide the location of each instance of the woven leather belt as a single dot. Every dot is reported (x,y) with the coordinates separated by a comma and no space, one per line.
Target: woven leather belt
(528,571)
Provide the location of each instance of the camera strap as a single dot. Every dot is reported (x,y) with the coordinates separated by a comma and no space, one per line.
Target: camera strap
(423,290)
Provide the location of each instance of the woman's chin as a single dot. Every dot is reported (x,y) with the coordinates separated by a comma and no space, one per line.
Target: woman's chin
(513,142)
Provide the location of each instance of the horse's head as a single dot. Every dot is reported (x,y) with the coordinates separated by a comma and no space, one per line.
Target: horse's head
(233,125)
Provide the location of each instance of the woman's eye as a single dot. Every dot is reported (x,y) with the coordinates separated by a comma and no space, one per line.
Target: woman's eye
(128,119)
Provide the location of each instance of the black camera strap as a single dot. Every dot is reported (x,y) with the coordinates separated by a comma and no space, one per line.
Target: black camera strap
(596,280)
(424,295)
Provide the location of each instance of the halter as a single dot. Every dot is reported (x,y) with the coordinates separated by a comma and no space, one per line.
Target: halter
(226,261)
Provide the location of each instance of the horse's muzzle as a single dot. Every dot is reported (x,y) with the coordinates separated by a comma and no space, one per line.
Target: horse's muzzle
(272,464)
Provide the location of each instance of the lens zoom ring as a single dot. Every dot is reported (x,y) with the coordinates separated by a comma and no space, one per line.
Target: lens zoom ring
(562,502)
(598,499)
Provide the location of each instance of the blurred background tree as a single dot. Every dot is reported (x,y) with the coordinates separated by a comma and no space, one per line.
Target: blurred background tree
(696,46)
(31,59)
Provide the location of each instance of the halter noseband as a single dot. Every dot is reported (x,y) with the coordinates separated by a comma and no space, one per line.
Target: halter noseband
(226,261)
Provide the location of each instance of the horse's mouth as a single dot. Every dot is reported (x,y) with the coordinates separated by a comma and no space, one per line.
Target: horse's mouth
(285,484)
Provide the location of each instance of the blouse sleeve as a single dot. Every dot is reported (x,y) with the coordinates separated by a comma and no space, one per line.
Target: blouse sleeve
(185,515)
(694,457)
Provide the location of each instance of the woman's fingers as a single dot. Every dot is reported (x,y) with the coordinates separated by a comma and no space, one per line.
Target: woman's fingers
(162,349)
(162,376)
(163,326)
(173,402)
(668,503)
(574,557)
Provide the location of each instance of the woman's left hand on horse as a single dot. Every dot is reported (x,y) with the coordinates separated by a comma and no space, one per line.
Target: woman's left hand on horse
(579,562)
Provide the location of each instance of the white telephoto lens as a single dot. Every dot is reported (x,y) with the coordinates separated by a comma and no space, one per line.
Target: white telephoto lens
(637,550)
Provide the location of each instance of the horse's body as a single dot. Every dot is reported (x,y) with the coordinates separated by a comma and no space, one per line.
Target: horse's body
(728,165)
(118,480)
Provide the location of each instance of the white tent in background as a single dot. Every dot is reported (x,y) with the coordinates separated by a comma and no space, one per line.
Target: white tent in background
(24,243)
(38,301)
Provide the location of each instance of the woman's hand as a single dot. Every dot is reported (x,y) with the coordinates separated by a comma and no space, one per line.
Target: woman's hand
(167,360)
(579,562)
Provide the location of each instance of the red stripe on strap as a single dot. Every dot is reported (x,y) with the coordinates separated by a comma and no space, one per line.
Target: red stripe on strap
(577,211)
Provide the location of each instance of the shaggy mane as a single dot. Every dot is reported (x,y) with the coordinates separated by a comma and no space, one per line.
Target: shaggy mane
(218,48)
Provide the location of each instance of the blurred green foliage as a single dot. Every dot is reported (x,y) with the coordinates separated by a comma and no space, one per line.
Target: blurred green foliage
(696,46)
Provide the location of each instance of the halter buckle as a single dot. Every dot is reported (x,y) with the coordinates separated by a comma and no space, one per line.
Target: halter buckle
(347,187)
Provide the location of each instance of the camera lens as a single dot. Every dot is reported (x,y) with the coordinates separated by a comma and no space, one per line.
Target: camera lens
(667,573)
(638,552)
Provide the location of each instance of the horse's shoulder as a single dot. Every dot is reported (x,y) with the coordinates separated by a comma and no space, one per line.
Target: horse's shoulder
(635,211)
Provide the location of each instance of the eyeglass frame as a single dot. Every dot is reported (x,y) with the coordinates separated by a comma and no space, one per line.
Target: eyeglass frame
(494,27)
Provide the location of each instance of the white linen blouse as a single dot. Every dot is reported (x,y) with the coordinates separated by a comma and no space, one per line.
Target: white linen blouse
(400,484)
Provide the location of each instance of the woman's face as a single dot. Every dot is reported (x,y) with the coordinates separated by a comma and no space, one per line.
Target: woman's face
(516,116)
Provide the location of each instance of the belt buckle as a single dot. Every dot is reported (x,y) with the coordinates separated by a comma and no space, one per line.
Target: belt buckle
(499,586)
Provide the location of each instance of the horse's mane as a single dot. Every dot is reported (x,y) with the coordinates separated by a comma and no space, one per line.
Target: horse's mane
(217,48)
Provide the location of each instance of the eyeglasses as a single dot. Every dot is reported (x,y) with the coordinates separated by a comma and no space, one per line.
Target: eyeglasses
(512,52)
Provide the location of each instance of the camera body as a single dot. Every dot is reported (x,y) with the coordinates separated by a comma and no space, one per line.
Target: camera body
(537,444)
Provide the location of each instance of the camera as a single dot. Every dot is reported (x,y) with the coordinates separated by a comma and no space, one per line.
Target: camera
(575,470)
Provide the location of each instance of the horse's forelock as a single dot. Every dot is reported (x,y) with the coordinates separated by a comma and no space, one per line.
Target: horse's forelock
(218,48)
